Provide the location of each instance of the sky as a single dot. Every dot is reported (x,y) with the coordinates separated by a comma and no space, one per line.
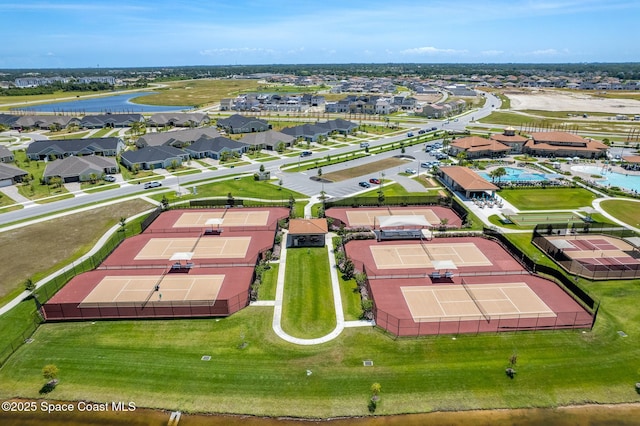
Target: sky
(123,33)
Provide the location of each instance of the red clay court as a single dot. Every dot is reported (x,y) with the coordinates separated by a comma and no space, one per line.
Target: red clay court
(186,264)
(366,217)
(459,285)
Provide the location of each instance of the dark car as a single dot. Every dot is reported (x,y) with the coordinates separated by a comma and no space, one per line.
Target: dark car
(421,132)
(374,181)
(434,128)
(305,153)
(364,184)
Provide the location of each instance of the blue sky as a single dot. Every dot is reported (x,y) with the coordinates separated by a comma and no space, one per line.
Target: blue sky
(119,33)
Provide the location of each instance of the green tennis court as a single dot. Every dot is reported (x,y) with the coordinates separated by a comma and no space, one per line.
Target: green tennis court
(536,218)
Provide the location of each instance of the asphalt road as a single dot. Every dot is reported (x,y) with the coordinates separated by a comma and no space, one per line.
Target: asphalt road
(300,182)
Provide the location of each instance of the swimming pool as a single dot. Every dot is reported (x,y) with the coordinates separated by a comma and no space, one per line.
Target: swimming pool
(516,175)
(630,182)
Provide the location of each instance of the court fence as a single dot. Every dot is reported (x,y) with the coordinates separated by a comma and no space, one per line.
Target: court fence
(495,323)
(600,271)
(30,325)
(399,200)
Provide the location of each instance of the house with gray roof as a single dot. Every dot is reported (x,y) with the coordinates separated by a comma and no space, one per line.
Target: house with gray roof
(39,150)
(179,119)
(215,147)
(10,175)
(268,140)
(44,121)
(308,132)
(240,124)
(110,120)
(8,120)
(80,169)
(6,155)
(178,138)
(153,157)
(339,126)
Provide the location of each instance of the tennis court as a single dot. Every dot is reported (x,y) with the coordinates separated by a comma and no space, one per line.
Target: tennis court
(140,290)
(536,218)
(201,247)
(230,218)
(361,217)
(406,256)
(474,302)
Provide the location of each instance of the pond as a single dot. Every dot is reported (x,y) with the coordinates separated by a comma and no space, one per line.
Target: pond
(113,104)
(608,177)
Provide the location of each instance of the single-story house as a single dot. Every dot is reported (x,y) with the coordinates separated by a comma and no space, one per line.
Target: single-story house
(178,138)
(215,147)
(6,155)
(307,232)
(564,144)
(179,119)
(268,140)
(110,120)
(509,138)
(153,157)
(80,169)
(39,150)
(308,132)
(477,147)
(10,174)
(44,121)
(8,120)
(240,124)
(339,125)
(465,180)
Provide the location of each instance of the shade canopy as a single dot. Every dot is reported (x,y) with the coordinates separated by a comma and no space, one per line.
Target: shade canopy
(443,264)
(400,220)
(182,255)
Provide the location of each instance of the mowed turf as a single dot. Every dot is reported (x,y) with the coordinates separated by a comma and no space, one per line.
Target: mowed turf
(308,310)
(370,168)
(548,198)
(627,211)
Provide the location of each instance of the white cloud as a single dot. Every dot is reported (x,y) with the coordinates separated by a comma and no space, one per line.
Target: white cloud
(429,50)
(227,50)
(491,52)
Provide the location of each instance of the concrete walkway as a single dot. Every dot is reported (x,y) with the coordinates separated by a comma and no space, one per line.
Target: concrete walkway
(337,301)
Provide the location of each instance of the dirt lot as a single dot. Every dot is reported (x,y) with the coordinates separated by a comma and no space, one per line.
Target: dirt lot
(549,100)
(39,247)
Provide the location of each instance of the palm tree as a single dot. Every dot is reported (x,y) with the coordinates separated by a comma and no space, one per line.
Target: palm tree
(498,173)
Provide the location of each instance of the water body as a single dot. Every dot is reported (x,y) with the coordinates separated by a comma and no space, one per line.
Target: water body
(516,175)
(113,104)
(630,182)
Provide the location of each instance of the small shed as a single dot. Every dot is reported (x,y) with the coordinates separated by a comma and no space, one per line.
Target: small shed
(307,233)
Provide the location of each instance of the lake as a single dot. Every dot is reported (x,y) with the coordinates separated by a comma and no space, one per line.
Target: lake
(104,104)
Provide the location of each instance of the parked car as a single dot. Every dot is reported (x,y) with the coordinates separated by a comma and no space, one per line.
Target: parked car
(374,181)
(409,134)
(153,184)
(305,153)
(411,171)
(426,164)
(364,184)
(364,144)
(421,132)
(434,128)
(109,178)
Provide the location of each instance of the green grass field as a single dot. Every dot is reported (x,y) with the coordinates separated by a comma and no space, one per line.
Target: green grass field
(548,198)
(307,309)
(626,211)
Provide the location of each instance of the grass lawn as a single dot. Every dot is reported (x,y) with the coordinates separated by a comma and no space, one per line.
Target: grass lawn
(626,211)
(267,289)
(307,308)
(196,92)
(366,169)
(548,198)
(35,190)
(39,249)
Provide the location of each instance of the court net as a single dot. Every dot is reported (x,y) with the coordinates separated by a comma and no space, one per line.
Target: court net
(155,288)
(477,303)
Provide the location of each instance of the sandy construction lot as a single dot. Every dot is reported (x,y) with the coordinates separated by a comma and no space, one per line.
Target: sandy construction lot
(562,101)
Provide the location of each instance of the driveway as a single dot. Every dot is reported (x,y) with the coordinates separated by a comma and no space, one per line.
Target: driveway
(12,192)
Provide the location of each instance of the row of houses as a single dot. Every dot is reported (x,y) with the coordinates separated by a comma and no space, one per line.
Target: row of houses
(272,102)
(98,121)
(544,144)
(372,104)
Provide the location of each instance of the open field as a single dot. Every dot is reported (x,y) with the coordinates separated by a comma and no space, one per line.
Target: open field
(556,100)
(197,92)
(548,198)
(626,211)
(36,250)
(370,168)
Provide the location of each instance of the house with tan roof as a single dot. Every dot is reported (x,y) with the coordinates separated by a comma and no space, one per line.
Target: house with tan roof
(307,232)
(477,147)
(466,181)
(564,144)
(509,138)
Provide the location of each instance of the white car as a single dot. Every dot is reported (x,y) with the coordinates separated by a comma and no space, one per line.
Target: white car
(153,184)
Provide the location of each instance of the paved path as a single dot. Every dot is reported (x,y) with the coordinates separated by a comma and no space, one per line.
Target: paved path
(337,301)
